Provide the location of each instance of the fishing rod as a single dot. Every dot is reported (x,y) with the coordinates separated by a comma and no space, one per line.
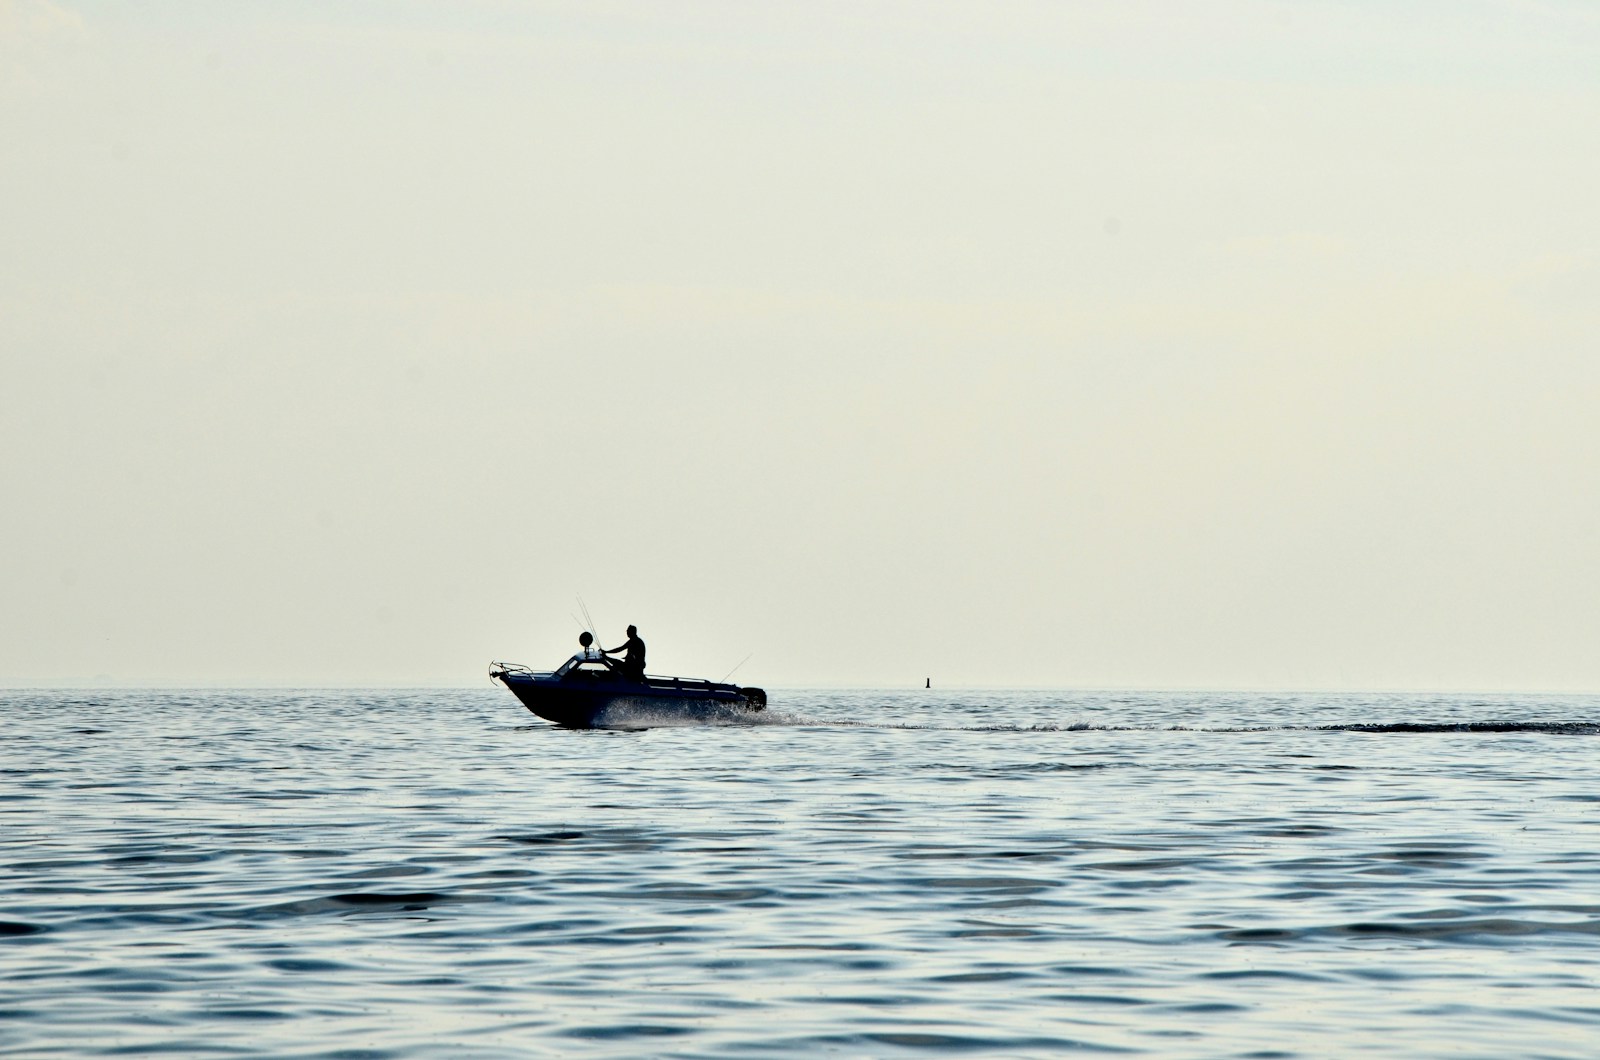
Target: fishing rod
(735,670)
(589,619)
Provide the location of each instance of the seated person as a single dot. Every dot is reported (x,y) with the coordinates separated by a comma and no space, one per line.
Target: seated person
(587,652)
(632,664)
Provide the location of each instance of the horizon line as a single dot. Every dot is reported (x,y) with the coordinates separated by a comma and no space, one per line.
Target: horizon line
(46,686)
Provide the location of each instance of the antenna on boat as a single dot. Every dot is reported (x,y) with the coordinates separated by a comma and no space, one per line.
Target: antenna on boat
(730,673)
(587,618)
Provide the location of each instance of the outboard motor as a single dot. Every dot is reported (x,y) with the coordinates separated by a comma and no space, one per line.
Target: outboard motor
(754,698)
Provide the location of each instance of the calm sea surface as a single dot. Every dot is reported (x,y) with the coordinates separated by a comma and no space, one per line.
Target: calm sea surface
(867,873)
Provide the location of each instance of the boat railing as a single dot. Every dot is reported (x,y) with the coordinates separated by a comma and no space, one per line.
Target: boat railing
(692,684)
(497,669)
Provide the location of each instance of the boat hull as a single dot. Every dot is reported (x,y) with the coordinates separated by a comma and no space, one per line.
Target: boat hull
(583,700)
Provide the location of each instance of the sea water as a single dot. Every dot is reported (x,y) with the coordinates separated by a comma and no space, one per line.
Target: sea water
(864,873)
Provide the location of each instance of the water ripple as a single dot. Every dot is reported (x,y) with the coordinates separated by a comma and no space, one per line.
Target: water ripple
(427,874)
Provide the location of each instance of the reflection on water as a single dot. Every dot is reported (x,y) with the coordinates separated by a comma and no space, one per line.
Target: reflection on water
(437,874)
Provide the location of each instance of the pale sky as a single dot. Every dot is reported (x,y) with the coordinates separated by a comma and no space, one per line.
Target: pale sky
(1105,344)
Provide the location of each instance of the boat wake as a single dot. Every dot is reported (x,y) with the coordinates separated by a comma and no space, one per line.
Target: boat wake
(1547,728)
(640,716)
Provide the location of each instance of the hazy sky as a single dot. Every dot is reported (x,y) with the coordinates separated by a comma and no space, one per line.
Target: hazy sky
(1078,344)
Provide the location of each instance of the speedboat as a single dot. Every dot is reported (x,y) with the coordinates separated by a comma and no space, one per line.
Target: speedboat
(593,695)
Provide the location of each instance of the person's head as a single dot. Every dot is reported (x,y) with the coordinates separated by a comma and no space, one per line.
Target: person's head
(633,631)
(586,638)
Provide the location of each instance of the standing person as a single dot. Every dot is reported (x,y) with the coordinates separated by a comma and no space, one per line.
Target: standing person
(632,665)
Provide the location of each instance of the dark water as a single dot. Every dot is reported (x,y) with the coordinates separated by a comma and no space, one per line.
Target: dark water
(408,874)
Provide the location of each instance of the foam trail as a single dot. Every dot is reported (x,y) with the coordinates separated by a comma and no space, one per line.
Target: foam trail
(1550,728)
(643,717)
(640,715)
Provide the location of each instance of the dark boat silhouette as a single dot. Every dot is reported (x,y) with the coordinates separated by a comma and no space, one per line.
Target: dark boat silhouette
(592,695)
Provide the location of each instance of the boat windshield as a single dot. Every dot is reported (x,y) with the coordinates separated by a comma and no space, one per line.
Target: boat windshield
(588,666)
